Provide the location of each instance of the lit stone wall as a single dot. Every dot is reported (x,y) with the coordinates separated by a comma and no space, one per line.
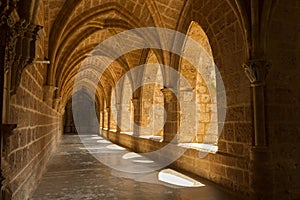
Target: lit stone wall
(38,128)
(152,115)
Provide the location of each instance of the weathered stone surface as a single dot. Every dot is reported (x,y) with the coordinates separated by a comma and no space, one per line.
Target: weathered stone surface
(226,34)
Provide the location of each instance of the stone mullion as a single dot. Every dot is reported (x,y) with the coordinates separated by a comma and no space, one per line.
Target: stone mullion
(171,106)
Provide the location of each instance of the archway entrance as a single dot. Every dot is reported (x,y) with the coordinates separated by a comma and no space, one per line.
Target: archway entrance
(88,124)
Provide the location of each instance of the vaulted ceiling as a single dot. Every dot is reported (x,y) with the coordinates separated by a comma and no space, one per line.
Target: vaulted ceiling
(75,27)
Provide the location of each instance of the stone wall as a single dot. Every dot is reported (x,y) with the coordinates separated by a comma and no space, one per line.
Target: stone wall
(228,170)
(37,132)
(283,98)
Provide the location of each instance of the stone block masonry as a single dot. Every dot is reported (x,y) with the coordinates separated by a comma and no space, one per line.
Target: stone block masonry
(32,142)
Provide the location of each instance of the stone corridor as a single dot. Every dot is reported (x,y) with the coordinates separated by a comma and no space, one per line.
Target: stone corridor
(74,174)
(217,78)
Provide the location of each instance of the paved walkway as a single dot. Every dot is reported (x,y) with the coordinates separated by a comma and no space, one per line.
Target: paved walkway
(74,173)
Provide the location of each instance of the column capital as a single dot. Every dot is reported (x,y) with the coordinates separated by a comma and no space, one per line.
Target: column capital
(24,42)
(256,70)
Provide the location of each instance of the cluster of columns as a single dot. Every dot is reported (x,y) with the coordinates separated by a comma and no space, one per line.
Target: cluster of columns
(116,118)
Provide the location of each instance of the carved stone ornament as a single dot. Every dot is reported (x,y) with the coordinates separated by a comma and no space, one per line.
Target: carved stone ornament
(25,48)
(256,71)
(18,40)
(11,40)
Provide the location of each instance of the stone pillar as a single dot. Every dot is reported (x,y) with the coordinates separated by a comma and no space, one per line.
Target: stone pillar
(56,103)
(256,71)
(261,168)
(68,119)
(49,93)
(189,120)
(172,109)
(119,116)
(125,115)
(101,119)
(105,119)
(113,119)
(136,116)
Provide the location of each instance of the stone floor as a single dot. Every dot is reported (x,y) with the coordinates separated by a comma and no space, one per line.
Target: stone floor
(75,173)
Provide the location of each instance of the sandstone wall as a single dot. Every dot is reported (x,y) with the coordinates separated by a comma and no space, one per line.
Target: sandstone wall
(38,128)
(283,98)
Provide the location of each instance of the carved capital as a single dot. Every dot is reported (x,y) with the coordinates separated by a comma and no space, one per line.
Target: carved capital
(9,37)
(8,6)
(256,71)
(10,44)
(21,48)
(9,14)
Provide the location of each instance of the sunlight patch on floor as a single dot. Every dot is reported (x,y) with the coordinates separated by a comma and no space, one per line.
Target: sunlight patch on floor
(175,178)
(131,155)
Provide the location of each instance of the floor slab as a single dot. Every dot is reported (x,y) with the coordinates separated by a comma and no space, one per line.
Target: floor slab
(74,173)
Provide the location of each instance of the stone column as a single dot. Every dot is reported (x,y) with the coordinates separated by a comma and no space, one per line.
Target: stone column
(136,116)
(189,120)
(119,116)
(172,109)
(56,103)
(261,168)
(105,119)
(68,118)
(113,118)
(101,119)
(49,93)
(125,115)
